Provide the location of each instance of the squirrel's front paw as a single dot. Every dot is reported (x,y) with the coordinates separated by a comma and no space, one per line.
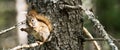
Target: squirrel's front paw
(23,29)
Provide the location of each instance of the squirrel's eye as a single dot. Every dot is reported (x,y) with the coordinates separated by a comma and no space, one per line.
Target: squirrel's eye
(32,20)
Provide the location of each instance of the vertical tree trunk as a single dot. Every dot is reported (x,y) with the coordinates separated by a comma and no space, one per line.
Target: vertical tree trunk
(67,24)
(21,8)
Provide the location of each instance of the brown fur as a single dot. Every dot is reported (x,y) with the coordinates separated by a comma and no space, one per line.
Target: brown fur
(38,25)
(41,17)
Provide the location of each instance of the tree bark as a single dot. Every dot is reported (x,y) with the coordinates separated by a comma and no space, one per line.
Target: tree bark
(67,24)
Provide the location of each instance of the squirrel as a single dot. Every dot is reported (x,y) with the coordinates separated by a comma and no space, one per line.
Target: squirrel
(39,17)
(38,25)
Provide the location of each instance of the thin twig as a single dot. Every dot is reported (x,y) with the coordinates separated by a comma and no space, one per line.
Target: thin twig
(62,6)
(91,37)
(27,46)
(99,39)
(95,39)
(3,31)
(13,27)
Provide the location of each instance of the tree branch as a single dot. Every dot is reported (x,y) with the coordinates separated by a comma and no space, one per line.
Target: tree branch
(27,46)
(91,37)
(100,27)
(13,27)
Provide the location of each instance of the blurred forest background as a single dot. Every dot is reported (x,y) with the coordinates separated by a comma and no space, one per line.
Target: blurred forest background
(107,11)
(8,19)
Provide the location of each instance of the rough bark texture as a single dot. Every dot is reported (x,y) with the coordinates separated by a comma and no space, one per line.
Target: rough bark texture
(67,24)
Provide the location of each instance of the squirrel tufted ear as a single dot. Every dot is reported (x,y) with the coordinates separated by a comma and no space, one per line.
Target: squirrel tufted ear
(32,13)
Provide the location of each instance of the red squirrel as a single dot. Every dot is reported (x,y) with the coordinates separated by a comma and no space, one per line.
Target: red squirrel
(38,25)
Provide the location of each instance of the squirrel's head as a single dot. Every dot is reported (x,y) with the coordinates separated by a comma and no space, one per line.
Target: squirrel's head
(31,19)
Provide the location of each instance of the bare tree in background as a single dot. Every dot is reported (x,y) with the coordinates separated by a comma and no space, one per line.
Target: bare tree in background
(67,24)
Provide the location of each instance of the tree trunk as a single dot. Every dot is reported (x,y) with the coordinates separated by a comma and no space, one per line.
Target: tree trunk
(67,25)
(22,36)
